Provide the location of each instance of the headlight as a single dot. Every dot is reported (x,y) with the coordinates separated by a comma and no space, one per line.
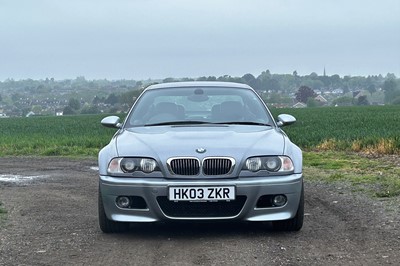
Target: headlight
(130,165)
(147,165)
(253,164)
(272,164)
(269,163)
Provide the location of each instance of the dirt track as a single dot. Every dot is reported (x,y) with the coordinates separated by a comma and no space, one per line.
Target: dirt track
(52,220)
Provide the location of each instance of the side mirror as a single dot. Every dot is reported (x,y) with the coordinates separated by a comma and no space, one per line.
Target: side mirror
(285,120)
(111,121)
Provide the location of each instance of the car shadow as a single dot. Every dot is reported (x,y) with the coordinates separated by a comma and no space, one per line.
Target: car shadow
(189,230)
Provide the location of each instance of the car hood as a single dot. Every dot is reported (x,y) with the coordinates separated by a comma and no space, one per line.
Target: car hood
(163,142)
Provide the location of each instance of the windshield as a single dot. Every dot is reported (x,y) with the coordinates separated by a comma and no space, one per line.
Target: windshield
(198,105)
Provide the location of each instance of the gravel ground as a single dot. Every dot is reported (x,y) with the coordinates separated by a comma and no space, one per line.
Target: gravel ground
(52,220)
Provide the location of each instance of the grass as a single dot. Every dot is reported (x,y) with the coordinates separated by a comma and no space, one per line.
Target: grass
(3,213)
(53,136)
(367,129)
(379,177)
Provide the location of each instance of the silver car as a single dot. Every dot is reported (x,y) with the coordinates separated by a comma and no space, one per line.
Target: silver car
(200,151)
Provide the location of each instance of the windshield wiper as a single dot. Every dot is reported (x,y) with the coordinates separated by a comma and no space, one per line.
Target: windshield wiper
(243,123)
(195,122)
(173,123)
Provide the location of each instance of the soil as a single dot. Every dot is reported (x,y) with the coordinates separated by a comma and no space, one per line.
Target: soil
(52,220)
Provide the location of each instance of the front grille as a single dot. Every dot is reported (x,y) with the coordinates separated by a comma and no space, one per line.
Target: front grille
(211,166)
(185,209)
(184,166)
(217,166)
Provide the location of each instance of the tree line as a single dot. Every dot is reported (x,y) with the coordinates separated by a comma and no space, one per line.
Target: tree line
(93,94)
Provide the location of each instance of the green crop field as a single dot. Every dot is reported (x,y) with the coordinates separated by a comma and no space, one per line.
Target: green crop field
(374,129)
(371,129)
(67,135)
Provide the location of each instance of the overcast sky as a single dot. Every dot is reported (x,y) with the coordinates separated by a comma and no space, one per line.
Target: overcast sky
(140,39)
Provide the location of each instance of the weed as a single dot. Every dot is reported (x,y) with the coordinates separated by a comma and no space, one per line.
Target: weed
(370,129)
(378,177)
(2,210)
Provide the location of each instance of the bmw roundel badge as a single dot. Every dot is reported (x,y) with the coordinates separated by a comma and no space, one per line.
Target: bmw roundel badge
(200,150)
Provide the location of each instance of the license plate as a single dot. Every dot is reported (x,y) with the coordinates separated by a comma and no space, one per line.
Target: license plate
(201,193)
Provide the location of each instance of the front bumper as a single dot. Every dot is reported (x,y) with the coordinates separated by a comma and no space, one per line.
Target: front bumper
(152,190)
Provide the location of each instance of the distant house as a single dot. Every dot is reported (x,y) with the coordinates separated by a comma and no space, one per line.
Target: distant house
(321,99)
(3,115)
(299,105)
(59,112)
(279,105)
(30,114)
(358,94)
(337,91)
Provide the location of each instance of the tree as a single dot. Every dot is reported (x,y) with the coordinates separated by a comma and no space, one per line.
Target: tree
(391,89)
(278,98)
(371,88)
(111,99)
(335,80)
(96,100)
(68,110)
(304,93)
(274,85)
(139,84)
(15,97)
(129,97)
(250,80)
(266,73)
(189,79)
(313,75)
(346,89)
(396,101)
(74,104)
(390,76)
(168,80)
(90,110)
(362,100)
(204,78)
(311,102)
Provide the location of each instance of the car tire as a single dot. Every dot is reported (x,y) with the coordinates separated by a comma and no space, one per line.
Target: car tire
(106,225)
(296,223)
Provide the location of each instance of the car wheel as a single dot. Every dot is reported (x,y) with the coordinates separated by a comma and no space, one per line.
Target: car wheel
(106,225)
(296,223)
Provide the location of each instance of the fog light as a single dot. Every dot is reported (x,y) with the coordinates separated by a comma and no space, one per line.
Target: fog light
(123,202)
(279,200)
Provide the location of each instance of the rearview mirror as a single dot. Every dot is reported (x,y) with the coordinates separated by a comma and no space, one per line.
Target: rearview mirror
(285,120)
(111,121)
